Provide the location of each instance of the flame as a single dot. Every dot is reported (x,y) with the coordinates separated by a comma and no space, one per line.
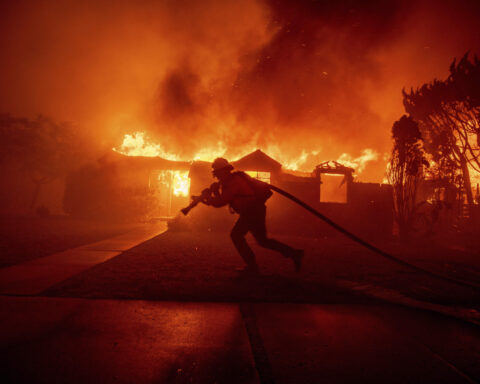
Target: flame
(296,163)
(210,154)
(358,163)
(304,162)
(137,144)
(180,183)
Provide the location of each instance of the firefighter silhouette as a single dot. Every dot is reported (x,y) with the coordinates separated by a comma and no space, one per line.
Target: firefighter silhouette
(247,196)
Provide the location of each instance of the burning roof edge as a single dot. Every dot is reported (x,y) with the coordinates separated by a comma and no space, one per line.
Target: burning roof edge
(255,161)
(158,163)
(333,167)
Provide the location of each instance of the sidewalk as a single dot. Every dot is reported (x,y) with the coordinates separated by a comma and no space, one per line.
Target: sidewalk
(33,277)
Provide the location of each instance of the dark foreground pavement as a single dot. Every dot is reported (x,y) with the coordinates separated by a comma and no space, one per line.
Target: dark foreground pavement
(52,340)
(170,310)
(201,267)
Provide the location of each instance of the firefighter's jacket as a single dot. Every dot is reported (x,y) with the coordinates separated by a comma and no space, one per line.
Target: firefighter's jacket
(235,191)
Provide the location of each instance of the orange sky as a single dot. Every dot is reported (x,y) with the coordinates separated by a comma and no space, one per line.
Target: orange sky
(291,75)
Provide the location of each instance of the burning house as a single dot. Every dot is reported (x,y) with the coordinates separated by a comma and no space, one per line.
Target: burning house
(128,187)
(166,180)
(330,188)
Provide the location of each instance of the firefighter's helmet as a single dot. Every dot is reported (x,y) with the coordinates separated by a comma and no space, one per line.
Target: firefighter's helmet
(221,164)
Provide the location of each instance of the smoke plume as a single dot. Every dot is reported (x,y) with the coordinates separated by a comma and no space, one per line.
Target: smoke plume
(317,78)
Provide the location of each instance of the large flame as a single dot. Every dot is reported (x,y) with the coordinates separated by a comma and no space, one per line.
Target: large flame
(137,144)
(234,70)
(358,163)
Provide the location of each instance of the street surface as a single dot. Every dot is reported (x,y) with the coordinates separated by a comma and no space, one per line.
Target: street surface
(172,310)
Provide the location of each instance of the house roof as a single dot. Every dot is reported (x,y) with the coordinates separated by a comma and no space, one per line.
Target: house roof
(257,161)
(143,162)
(333,167)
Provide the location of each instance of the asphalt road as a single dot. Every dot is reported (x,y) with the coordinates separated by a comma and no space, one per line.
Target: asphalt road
(52,340)
(201,266)
(171,310)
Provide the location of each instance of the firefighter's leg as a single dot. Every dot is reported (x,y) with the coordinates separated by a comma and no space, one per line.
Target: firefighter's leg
(258,228)
(260,235)
(238,233)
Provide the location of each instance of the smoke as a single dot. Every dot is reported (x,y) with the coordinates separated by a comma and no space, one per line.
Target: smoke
(298,77)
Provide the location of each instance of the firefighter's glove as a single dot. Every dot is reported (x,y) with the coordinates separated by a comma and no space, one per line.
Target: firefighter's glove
(206,196)
(215,189)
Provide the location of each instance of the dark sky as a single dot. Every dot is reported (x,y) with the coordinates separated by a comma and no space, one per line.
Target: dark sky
(287,76)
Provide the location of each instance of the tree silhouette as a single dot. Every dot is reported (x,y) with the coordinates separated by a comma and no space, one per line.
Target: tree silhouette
(448,113)
(39,148)
(405,171)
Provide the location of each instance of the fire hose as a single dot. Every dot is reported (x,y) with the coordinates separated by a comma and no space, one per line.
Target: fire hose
(197,199)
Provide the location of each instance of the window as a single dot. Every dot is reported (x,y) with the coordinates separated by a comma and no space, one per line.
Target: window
(262,176)
(176,182)
(333,188)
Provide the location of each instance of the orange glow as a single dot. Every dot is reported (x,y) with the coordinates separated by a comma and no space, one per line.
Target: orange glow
(177,181)
(137,144)
(230,76)
(358,163)
(333,189)
(180,183)
(210,154)
(262,176)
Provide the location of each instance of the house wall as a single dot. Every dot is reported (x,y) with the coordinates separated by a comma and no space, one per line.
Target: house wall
(368,211)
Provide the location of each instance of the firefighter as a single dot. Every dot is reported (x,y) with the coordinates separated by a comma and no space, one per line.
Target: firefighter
(247,196)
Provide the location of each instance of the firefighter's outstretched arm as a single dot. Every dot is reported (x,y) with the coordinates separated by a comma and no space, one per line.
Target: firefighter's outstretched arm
(215,199)
(205,197)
